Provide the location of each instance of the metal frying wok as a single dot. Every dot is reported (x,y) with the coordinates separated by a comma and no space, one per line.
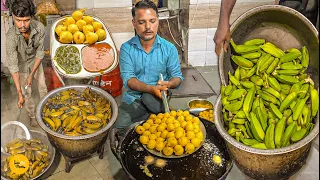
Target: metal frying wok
(199,165)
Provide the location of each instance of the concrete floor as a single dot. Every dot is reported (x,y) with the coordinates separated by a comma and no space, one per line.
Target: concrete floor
(109,168)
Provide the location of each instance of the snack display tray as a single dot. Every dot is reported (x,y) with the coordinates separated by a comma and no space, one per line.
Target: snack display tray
(83,74)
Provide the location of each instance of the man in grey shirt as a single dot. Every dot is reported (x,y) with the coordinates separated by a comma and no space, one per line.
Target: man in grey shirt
(25,50)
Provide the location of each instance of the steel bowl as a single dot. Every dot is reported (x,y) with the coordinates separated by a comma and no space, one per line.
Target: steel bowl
(43,137)
(286,28)
(77,146)
(192,103)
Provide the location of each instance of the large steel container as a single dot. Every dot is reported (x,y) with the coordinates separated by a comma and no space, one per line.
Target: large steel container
(286,28)
(77,146)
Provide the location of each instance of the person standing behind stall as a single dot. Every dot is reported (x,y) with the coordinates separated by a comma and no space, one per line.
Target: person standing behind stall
(142,59)
(25,50)
(222,36)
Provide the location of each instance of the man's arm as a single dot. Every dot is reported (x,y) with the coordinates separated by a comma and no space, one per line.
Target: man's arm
(222,36)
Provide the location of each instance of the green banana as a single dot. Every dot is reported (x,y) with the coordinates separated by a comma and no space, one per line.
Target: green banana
(271,115)
(231,125)
(240,61)
(275,110)
(269,138)
(272,49)
(289,72)
(243,73)
(222,90)
(238,136)
(237,94)
(254,61)
(287,101)
(225,101)
(243,48)
(225,117)
(287,112)
(262,119)
(249,142)
(266,64)
(290,65)
(246,124)
(279,130)
(296,87)
(305,112)
(256,128)
(293,104)
(299,134)
(257,80)
(305,57)
(261,61)
(247,84)
(303,90)
(314,101)
(252,55)
(274,83)
(255,103)
(228,90)
(287,79)
(289,120)
(239,121)
(274,121)
(235,106)
(251,71)
(282,96)
(298,108)
(290,56)
(303,76)
(293,50)
(237,73)
(240,114)
(232,131)
(298,127)
(288,133)
(233,79)
(273,92)
(273,66)
(249,100)
(243,130)
(285,88)
(255,42)
(259,146)
(268,97)
(263,109)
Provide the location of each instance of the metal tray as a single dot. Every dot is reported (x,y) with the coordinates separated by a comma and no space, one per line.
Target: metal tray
(83,74)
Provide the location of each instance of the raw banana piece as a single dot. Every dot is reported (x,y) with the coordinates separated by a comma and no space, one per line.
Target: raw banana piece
(249,100)
(303,90)
(235,106)
(262,119)
(273,66)
(266,64)
(271,115)
(273,92)
(303,76)
(49,122)
(243,130)
(288,133)
(259,146)
(247,125)
(237,73)
(263,109)
(290,65)
(57,122)
(282,96)
(289,72)
(257,80)
(286,79)
(305,57)
(225,101)
(247,84)
(314,101)
(285,88)
(290,56)
(256,42)
(237,94)
(261,61)
(276,111)
(268,97)
(243,73)
(240,49)
(228,90)
(274,83)
(239,121)
(297,86)
(232,131)
(287,101)
(305,113)
(251,71)
(287,112)
(252,55)
(269,138)
(272,49)
(233,79)
(255,104)
(256,128)
(293,50)
(298,108)
(298,135)
(254,61)
(279,130)
(240,114)
(293,104)
(249,142)
(289,120)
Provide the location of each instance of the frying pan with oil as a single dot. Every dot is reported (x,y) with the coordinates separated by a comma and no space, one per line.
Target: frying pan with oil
(197,166)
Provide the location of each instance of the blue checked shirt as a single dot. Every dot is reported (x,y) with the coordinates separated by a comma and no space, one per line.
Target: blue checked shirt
(136,63)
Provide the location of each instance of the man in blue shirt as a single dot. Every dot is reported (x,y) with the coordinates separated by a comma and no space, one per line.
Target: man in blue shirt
(142,59)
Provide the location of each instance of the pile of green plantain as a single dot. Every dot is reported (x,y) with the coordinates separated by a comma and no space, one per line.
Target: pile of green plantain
(270,101)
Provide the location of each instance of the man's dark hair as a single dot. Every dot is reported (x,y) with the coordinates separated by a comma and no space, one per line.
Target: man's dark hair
(144,4)
(23,8)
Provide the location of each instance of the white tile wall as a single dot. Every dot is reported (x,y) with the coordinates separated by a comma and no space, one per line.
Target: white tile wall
(196,58)
(219,1)
(111,3)
(120,38)
(84,4)
(210,35)
(211,58)
(197,39)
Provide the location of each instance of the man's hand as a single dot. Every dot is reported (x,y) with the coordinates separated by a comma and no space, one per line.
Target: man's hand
(29,80)
(222,37)
(156,90)
(20,100)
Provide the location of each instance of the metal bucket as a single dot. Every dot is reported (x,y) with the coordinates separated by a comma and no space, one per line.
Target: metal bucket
(286,28)
(77,146)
